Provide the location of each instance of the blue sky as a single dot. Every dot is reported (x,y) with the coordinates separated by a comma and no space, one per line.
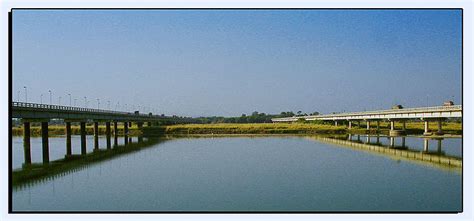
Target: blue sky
(229,62)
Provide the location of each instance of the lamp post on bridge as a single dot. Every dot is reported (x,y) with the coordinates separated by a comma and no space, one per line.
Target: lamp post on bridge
(26,94)
(50,97)
(75,102)
(59,100)
(70,100)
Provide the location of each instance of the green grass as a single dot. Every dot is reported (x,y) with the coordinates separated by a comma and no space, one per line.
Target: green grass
(289,128)
(257,128)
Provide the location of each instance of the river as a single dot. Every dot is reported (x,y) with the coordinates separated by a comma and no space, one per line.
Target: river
(232,174)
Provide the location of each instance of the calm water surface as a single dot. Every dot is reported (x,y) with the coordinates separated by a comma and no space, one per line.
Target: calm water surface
(242,174)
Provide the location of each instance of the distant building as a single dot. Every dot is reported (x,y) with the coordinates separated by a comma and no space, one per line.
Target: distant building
(448,103)
(398,106)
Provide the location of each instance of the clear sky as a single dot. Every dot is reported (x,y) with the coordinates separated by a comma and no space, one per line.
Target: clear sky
(229,62)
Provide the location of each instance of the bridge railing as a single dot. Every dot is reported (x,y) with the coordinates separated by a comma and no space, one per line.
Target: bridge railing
(69,108)
(389,111)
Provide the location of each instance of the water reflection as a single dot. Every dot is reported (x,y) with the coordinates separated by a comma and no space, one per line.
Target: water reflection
(442,153)
(248,174)
(435,146)
(36,173)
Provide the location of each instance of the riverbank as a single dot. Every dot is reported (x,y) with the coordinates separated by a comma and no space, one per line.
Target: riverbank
(450,128)
(285,128)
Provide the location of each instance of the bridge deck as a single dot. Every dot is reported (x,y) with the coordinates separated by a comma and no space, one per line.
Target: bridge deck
(454,111)
(45,111)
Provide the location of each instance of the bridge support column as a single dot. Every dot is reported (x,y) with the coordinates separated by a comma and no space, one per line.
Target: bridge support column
(96,135)
(392,125)
(125,132)
(68,139)
(335,123)
(404,125)
(378,139)
(350,124)
(403,142)
(427,128)
(368,125)
(26,142)
(83,138)
(44,136)
(349,137)
(115,134)
(440,129)
(358,124)
(107,134)
(378,125)
(368,139)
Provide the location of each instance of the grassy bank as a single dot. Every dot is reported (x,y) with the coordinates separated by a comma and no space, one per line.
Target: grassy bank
(288,128)
(261,128)
(253,128)
(75,130)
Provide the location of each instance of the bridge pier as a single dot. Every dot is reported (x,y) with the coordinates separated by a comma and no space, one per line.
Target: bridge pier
(427,128)
(403,142)
(27,142)
(393,131)
(83,138)
(96,136)
(107,134)
(335,123)
(125,132)
(368,139)
(378,139)
(392,141)
(368,124)
(350,124)
(440,129)
(115,134)
(44,136)
(68,139)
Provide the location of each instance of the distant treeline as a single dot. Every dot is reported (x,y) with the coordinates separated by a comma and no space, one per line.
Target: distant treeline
(255,117)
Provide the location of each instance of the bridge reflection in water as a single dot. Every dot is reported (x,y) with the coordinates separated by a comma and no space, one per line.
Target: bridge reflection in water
(430,154)
(33,173)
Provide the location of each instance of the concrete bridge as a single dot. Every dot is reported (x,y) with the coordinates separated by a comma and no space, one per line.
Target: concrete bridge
(43,113)
(426,114)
